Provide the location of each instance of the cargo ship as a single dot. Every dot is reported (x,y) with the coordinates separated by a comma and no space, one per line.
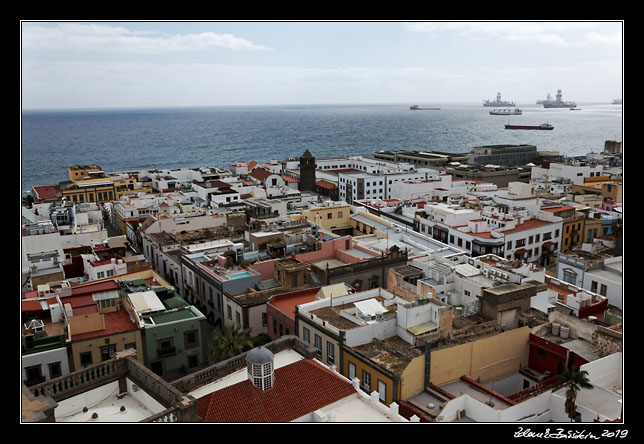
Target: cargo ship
(543,126)
(506,112)
(558,103)
(418,108)
(498,102)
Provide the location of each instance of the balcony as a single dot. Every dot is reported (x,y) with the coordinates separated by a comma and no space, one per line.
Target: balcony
(163,352)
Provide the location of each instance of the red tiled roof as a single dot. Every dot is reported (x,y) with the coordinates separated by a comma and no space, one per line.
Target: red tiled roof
(116,322)
(95,288)
(45,192)
(31,305)
(299,388)
(289,178)
(286,302)
(528,225)
(326,185)
(260,174)
(558,209)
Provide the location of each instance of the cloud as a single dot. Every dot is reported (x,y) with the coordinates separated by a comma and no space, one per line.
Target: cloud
(556,33)
(103,38)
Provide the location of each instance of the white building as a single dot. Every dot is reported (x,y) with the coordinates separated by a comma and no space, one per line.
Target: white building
(518,235)
(575,173)
(598,275)
(96,269)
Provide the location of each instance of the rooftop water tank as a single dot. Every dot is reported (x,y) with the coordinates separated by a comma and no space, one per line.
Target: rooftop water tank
(565,332)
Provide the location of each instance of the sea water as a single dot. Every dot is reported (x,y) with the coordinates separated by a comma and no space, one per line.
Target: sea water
(167,138)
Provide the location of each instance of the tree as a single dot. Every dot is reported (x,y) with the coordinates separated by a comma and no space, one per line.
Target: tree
(228,342)
(574,380)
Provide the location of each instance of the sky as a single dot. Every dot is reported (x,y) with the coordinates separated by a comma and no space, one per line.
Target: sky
(182,64)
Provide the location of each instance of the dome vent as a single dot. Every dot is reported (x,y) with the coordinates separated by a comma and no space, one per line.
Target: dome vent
(261,372)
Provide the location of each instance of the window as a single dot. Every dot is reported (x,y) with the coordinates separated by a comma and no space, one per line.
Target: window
(330,352)
(165,347)
(237,318)
(602,289)
(191,339)
(193,361)
(34,374)
(329,215)
(55,370)
(339,214)
(593,286)
(382,391)
(274,327)
(85,359)
(509,247)
(229,312)
(318,345)
(366,381)
(570,276)
(306,335)
(107,352)
(352,370)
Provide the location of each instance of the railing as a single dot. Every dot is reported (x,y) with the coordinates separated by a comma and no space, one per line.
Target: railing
(79,381)
(534,390)
(223,368)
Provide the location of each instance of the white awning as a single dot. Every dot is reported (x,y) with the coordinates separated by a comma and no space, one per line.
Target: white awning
(146,302)
(103,295)
(370,307)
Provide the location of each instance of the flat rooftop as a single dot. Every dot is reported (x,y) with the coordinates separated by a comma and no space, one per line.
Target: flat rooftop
(104,402)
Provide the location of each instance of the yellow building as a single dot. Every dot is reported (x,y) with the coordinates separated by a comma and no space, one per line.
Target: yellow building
(129,185)
(96,334)
(87,183)
(334,216)
(573,223)
(392,367)
(88,191)
(80,172)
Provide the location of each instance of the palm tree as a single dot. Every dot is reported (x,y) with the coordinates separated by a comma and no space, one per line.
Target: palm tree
(230,341)
(574,380)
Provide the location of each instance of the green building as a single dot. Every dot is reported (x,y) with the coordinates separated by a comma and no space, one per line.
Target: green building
(174,333)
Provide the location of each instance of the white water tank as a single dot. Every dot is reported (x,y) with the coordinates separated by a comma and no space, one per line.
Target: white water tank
(565,332)
(555,328)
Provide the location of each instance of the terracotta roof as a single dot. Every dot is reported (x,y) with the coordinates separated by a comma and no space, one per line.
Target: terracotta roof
(286,302)
(558,209)
(260,174)
(115,323)
(289,178)
(326,185)
(300,388)
(45,192)
(95,288)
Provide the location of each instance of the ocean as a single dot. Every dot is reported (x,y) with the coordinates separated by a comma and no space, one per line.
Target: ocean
(166,138)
